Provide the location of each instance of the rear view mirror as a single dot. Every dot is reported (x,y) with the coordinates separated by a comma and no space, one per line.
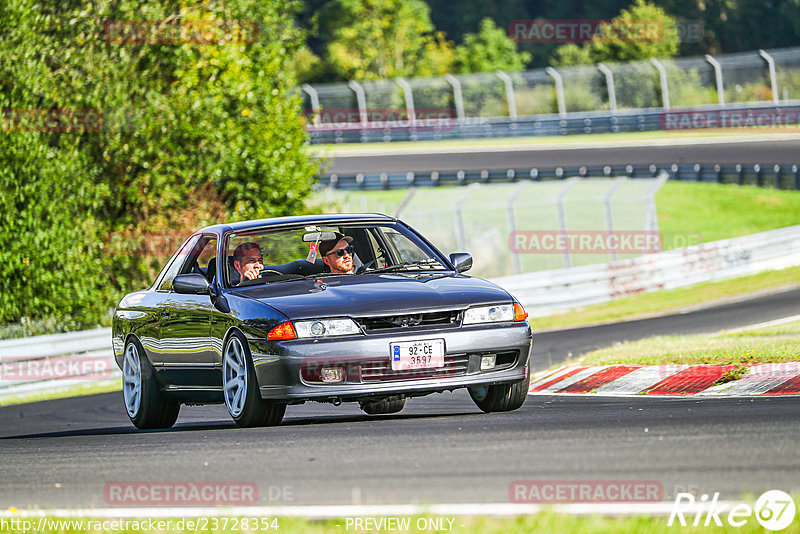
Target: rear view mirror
(461,261)
(318,236)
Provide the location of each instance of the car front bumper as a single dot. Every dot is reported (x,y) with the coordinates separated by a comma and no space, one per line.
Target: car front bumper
(282,367)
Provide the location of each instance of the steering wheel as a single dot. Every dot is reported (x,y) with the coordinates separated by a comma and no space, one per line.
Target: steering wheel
(269,271)
(365,266)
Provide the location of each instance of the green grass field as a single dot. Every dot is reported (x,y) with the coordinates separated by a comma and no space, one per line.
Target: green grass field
(688,213)
(769,345)
(670,301)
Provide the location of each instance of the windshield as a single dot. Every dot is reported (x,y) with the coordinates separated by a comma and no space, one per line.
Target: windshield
(270,255)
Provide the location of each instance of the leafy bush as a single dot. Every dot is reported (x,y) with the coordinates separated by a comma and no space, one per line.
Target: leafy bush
(191,131)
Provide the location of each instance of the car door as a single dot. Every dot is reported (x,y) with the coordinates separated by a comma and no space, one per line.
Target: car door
(185,323)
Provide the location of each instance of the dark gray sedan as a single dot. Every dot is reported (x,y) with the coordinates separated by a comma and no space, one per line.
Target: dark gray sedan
(329,308)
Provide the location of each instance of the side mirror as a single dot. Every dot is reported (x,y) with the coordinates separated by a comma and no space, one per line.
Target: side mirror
(191,284)
(460,260)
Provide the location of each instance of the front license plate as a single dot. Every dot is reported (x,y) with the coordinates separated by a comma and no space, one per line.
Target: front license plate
(424,354)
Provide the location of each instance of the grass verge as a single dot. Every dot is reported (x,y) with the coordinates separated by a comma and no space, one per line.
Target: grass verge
(544,522)
(773,345)
(670,301)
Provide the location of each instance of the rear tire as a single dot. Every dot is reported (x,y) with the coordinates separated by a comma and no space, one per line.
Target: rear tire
(501,397)
(384,406)
(240,387)
(146,406)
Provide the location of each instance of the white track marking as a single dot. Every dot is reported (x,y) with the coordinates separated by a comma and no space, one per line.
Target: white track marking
(640,379)
(762,325)
(561,384)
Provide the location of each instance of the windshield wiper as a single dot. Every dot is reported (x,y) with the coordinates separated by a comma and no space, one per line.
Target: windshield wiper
(429,262)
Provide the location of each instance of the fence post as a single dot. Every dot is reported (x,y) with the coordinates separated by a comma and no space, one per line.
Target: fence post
(662,74)
(458,98)
(516,262)
(461,235)
(510,99)
(562,107)
(607,209)
(562,216)
(312,94)
(612,93)
(718,75)
(651,215)
(409,97)
(362,101)
(406,199)
(773,78)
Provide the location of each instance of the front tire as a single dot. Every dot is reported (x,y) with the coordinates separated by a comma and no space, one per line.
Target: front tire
(144,403)
(240,387)
(384,406)
(501,397)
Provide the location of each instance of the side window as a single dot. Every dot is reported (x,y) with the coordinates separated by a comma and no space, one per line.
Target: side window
(165,280)
(208,253)
(200,255)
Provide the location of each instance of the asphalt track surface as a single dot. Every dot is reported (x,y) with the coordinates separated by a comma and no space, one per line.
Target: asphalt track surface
(764,152)
(440,449)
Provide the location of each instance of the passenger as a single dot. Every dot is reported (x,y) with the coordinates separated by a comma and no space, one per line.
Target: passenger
(248,260)
(338,254)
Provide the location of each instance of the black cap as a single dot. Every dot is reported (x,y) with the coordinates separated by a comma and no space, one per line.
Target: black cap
(326,246)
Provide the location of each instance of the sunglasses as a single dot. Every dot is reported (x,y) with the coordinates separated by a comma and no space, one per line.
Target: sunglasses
(341,251)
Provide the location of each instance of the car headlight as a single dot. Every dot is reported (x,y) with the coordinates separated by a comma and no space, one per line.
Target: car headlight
(489,314)
(326,327)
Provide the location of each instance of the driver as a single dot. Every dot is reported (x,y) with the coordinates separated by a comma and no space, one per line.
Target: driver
(337,254)
(248,260)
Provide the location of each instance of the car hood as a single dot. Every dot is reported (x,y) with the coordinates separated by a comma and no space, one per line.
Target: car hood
(375,295)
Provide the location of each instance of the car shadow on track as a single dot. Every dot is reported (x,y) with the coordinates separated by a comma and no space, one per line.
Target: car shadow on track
(225,425)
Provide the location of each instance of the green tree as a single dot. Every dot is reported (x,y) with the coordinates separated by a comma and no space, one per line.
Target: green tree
(663,42)
(641,32)
(373,39)
(489,50)
(193,129)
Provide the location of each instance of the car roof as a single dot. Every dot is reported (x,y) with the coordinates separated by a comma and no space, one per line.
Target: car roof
(330,218)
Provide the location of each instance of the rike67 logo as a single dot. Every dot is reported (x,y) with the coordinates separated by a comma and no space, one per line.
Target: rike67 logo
(774,510)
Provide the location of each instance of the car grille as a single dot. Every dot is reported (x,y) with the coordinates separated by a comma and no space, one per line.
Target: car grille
(381,370)
(410,321)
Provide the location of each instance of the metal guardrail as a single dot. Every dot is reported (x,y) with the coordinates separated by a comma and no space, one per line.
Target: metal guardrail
(612,97)
(561,290)
(776,175)
(632,120)
(41,364)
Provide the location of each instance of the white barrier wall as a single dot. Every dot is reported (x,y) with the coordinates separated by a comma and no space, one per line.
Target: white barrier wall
(548,292)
